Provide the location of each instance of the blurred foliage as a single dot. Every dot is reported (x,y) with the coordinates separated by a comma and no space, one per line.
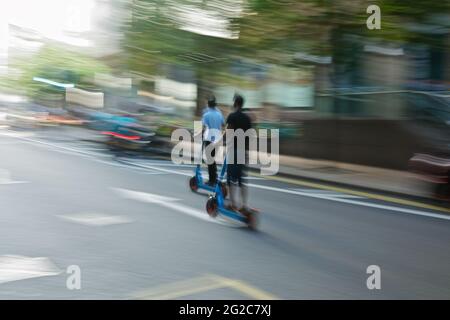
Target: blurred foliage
(57,64)
(262,31)
(270,31)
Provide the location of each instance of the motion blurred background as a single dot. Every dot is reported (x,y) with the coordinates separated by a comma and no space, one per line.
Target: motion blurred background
(348,101)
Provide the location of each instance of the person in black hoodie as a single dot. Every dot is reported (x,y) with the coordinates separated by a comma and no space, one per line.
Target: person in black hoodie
(236,171)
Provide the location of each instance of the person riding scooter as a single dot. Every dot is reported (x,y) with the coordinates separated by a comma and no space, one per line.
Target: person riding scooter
(236,169)
(213,124)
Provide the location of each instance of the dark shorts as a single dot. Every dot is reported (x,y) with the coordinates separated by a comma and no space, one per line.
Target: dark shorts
(235,173)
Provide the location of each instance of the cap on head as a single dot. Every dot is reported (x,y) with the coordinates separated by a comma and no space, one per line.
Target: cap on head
(212,101)
(238,101)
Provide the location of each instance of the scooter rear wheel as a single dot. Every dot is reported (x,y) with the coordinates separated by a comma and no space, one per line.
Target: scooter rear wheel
(252,221)
(211,207)
(193,184)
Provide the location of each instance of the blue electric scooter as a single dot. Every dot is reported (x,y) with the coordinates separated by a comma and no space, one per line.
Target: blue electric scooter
(216,205)
(196,182)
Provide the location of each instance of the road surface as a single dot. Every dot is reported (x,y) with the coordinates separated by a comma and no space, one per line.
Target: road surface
(136,231)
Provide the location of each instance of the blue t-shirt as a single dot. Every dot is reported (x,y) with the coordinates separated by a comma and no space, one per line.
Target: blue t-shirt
(213,121)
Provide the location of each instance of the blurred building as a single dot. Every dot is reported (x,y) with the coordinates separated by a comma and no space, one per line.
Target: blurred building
(89,27)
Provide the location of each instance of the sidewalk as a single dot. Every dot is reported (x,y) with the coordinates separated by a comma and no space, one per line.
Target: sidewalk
(395,181)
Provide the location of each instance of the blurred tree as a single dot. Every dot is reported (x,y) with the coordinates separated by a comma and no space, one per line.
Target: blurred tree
(207,36)
(57,64)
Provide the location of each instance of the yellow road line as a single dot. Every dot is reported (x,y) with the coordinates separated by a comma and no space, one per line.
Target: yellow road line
(245,288)
(201,284)
(181,293)
(358,193)
(179,288)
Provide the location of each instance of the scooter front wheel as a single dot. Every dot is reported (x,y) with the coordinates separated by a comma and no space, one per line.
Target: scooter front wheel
(193,184)
(211,207)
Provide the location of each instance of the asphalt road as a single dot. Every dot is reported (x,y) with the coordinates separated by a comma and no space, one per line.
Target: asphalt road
(136,231)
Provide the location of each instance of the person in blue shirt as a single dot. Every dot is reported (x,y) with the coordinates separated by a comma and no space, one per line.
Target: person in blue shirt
(213,125)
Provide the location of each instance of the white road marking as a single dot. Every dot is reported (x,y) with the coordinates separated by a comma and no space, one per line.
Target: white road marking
(328,193)
(5,178)
(95,219)
(144,196)
(366,204)
(167,202)
(155,166)
(306,194)
(13,182)
(159,164)
(13,134)
(78,151)
(13,268)
(116,164)
(8,143)
(146,166)
(87,154)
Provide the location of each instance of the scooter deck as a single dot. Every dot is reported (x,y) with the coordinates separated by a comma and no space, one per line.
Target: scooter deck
(232,214)
(207,187)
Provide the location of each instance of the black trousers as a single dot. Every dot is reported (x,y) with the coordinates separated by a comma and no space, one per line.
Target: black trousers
(212,168)
(235,173)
